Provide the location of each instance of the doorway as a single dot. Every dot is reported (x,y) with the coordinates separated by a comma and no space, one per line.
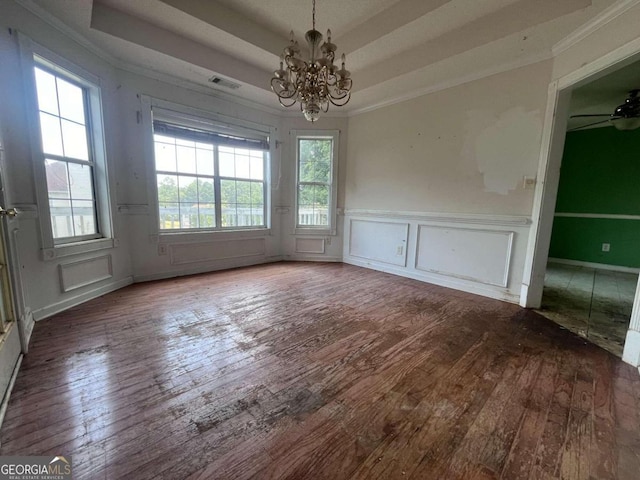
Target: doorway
(555,126)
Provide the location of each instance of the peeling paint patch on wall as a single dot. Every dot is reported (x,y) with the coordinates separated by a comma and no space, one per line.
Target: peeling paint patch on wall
(503,149)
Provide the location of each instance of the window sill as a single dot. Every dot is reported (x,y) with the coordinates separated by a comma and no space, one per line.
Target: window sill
(70,249)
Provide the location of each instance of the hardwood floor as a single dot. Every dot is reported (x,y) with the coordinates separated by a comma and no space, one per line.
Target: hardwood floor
(305,371)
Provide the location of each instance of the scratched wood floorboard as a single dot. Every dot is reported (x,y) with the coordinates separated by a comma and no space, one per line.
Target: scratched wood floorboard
(319,371)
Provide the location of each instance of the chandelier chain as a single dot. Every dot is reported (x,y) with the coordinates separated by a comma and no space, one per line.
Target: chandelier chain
(314,14)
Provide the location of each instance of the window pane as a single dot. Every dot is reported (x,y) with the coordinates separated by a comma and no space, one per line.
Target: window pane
(75,140)
(207,216)
(228,191)
(186,159)
(167,188)
(322,170)
(318,153)
(71,100)
(306,172)
(84,220)
(185,143)
(165,157)
(51,135)
(57,179)
(306,194)
(206,192)
(81,182)
(243,192)
(257,215)
(61,218)
(257,193)
(313,205)
(257,168)
(322,195)
(187,189)
(188,215)
(46,87)
(226,163)
(169,216)
(204,159)
(163,139)
(242,166)
(228,215)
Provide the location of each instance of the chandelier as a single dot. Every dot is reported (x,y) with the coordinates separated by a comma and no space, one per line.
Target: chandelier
(315,83)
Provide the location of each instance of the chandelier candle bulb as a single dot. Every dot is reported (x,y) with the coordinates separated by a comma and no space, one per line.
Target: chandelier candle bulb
(316,83)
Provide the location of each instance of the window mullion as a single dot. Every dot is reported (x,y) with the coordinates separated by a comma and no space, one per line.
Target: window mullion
(216,188)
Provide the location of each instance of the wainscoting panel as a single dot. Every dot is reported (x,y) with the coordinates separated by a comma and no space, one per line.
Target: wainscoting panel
(482,254)
(380,241)
(479,255)
(309,245)
(186,253)
(81,273)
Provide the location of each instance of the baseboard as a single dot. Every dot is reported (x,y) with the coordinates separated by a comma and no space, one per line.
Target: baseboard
(50,310)
(601,266)
(26,324)
(455,284)
(7,395)
(225,265)
(311,258)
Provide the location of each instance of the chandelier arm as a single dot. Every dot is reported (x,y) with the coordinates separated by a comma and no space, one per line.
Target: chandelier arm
(338,101)
(284,104)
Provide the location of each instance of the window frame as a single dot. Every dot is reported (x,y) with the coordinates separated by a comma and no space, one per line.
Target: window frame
(34,55)
(47,67)
(334,136)
(182,115)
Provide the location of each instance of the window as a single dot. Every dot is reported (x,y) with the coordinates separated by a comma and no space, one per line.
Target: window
(63,110)
(316,192)
(208,180)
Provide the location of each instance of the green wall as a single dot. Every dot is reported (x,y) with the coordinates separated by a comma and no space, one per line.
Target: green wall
(600,174)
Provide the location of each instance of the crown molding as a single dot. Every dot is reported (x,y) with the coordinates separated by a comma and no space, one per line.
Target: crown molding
(599,21)
(454,82)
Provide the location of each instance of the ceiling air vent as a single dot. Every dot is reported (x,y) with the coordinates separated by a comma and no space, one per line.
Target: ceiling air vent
(223,82)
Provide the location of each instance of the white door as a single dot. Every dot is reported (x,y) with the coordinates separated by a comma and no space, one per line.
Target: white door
(12,342)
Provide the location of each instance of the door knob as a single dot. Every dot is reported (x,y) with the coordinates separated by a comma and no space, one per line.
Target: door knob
(9,212)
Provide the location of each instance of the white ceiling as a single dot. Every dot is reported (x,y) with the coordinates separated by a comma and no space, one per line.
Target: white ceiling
(392,46)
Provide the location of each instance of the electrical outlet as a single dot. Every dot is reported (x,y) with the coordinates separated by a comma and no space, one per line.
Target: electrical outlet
(606,247)
(327,240)
(400,250)
(162,249)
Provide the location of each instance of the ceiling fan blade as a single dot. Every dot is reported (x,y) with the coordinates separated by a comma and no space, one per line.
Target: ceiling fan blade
(591,115)
(587,125)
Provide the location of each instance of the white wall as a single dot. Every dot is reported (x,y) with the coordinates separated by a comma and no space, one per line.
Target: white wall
(448,165)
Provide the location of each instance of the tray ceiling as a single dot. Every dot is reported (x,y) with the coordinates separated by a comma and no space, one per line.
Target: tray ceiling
(392,46)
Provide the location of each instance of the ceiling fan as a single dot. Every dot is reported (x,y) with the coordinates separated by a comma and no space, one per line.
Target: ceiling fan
(624,117)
